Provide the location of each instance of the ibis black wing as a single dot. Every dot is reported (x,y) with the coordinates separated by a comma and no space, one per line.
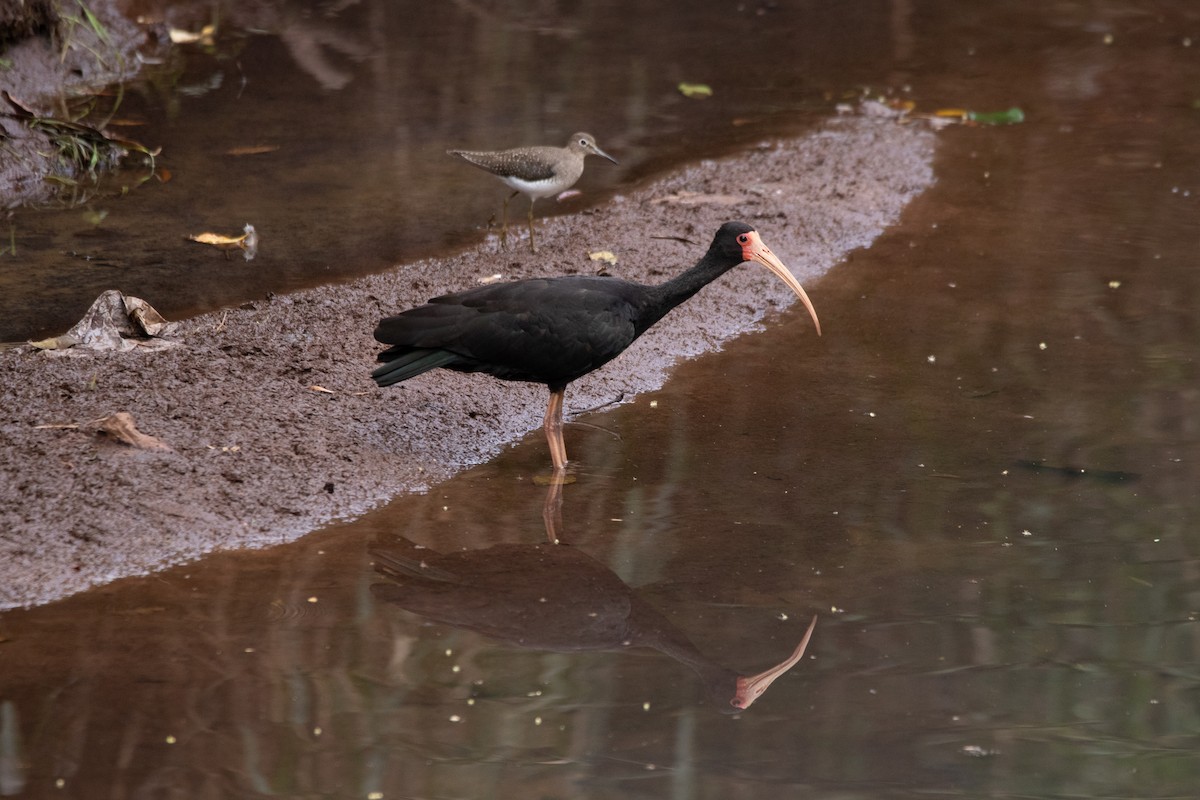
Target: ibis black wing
(542,330)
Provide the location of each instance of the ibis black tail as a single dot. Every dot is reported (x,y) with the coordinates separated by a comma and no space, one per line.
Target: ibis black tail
(408,364)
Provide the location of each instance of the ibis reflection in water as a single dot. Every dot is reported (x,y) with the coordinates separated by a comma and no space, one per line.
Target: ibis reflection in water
(554,330)
(551,596)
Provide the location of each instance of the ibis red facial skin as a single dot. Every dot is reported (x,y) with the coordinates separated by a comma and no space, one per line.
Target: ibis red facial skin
(554,330)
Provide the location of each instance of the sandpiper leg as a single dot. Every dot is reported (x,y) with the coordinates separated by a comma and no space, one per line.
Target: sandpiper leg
(504,221)
(532,247)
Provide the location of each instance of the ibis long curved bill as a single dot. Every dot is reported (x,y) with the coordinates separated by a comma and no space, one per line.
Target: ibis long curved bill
(753,249)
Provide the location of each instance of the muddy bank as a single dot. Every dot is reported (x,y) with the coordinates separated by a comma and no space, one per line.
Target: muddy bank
(258,456)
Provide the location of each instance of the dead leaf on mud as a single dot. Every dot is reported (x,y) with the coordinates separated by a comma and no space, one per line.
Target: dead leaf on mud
(316,388)
(247,242)
(115,322)
(686,198)
(607,256)
(121,427)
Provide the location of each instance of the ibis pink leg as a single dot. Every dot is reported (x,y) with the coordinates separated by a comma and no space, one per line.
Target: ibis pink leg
(553,427)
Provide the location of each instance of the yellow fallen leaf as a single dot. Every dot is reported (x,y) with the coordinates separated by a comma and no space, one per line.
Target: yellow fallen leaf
(607,256)
(247,242)
(695,90)
(218,240)
(205,36)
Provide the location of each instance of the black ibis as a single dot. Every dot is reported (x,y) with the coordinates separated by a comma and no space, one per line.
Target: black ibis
(554,330)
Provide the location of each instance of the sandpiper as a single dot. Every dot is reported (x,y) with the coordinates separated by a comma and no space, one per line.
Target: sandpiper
(535,171)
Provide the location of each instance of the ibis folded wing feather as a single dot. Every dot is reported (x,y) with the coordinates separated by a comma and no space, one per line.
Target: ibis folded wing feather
(548,330)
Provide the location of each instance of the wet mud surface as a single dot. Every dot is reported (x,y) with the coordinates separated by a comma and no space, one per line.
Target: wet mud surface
(275,428)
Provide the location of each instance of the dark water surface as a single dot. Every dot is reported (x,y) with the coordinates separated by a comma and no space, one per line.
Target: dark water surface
(982,479)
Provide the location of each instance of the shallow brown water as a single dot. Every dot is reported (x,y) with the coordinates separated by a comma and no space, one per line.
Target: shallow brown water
(981,478)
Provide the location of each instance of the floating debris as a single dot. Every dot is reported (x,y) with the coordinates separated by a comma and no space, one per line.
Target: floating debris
(1012,116)
(905,110)
(1071,471)
(695,91)
(247,242)
(252,150)
(205,36)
